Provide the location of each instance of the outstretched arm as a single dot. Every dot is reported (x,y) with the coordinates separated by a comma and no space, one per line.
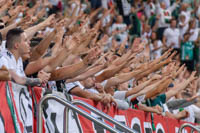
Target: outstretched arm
(120,79)
(40,49)
(87,74)
(180,86)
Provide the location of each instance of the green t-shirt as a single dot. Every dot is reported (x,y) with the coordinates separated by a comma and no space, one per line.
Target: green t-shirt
(187,51)
(159,100)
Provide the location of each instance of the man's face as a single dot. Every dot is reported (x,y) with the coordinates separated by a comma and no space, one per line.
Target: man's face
(163,6)
(173,24)
(24,47)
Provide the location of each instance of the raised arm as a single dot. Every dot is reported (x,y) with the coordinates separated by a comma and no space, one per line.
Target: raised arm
(41,48)
(87,74)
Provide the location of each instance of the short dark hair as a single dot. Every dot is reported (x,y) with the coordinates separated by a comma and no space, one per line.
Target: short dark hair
(13,36)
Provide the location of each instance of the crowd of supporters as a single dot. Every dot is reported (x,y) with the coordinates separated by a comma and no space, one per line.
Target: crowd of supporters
(141,54)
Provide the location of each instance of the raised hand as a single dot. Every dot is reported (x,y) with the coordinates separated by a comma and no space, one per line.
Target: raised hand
(192,76)
(44,77)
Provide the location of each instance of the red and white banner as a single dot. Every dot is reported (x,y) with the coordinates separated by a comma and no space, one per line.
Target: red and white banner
(19,102)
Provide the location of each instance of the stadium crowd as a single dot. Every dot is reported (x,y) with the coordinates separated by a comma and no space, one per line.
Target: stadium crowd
(141,54)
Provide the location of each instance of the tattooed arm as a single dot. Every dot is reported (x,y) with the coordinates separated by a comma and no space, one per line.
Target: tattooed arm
(32,81)
(43,78)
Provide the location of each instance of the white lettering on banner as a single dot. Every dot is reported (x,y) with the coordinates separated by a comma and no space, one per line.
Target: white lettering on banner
(24,106)
(74,123)
(147,127)
(159,128)
(53,115)
(183,131)
(136,124)
(2,125)
(121,119)
(96,127)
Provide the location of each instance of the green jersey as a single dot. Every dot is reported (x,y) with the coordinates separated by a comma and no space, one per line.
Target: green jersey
(187,51)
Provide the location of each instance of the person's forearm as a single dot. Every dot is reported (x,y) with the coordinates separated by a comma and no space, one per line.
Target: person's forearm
(33,9)
(24,80)
(86,74)
(122,59)
(37,65)
(138,88)
(57,60)
(177,88)
(159,89)
(42,46)
(152,69)
(3,9)
(32,30)
(147,109)
(6,29)
(109,72)
(67,71)
(145,90)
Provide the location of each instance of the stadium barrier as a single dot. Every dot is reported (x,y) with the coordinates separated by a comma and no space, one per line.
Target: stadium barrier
(18,105)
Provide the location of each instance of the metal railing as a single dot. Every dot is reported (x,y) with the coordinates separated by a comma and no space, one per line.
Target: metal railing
(188,125)
(72,107)
(192,131)
(103,115)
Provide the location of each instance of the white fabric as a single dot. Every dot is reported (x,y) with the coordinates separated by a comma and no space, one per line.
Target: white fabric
(106,20)
(121,104)
(167,2)
(187,15)
(104,83)
(120,27)
(165,14)
(156,54)
(183,30)
(120,95)
(141,98)
(3,47)
(70,86)
(195,34)
(126,7)
(149,9)
(54,2)
(92,90)
(196,111)
(8,60)
(165,108)
(172,36)
(191,117)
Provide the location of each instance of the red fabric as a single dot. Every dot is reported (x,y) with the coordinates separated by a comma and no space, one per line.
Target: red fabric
(5,110)
(60,5)
(16,110)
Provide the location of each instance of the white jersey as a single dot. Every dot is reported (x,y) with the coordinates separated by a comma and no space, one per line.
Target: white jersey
(8,60)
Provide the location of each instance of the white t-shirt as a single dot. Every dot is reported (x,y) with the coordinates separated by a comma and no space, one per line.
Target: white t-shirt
(120,27)
(183,30)
(126,7)
(3,47)
(120,95)
(195,34)
(187,15)
(156,54)
(165,15)
(172,36)
(8,60)
(70,86)
(149,9)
